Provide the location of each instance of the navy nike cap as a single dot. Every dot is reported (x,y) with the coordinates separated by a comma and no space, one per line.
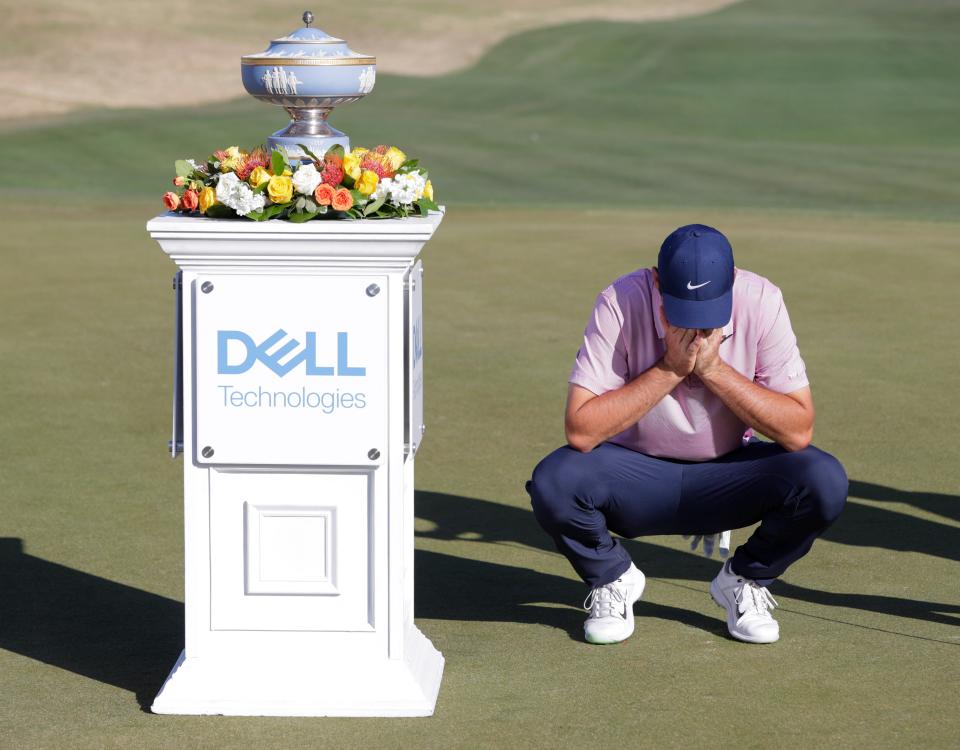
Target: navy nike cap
(695,266)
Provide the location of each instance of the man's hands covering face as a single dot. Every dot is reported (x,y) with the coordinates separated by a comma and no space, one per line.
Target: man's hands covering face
(708,355)
(682,347)
(689,350)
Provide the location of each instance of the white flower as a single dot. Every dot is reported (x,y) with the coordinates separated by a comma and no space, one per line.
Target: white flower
(306,179)
(382,189)
(232,192)
(406,189)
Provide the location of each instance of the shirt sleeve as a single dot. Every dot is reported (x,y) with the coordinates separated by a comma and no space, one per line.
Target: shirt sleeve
(601,363)
(780,367)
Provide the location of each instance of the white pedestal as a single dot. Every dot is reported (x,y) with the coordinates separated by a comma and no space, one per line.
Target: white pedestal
(302,366)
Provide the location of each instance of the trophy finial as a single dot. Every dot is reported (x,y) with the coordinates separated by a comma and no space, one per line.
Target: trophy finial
(307,18)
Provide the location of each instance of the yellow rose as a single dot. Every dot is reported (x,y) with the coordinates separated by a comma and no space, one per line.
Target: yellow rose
(233,159)
(395,158)
(351,166)
(258,176)
(208,196)
(428,191)
(367,182)
(359,151)
(280,189)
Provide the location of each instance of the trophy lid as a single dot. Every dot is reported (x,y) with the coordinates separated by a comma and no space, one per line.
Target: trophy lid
(308,46)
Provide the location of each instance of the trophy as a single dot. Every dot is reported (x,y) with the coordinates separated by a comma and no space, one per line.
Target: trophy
(308,73)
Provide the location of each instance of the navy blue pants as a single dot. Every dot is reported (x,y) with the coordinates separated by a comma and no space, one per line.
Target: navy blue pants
(579,498)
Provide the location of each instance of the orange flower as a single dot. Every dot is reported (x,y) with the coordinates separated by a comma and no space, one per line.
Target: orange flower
(377,163)
(179,181)
(342,200)
(171,201)
(324,194)
(190,200)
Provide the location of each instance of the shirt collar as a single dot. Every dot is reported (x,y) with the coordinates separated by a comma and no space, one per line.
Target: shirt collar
(656,300)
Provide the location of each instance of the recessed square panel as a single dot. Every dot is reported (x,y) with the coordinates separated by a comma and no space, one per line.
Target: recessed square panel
(290,549)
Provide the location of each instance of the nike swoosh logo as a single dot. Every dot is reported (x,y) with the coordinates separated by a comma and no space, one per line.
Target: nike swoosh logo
(691,287)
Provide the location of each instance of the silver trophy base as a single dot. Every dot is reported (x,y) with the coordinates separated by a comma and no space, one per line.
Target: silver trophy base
(309,127)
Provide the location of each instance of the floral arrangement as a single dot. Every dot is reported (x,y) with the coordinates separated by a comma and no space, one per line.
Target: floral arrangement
(361,183)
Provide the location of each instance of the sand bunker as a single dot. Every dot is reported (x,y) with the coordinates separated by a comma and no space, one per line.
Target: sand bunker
(106,53)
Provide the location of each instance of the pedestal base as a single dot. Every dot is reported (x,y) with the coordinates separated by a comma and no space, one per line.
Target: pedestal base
(305,687)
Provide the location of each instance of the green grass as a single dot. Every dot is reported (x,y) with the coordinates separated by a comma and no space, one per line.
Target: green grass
(797,129)
(765,104)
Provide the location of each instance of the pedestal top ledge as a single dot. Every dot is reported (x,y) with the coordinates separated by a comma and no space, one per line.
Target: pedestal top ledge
(197,243)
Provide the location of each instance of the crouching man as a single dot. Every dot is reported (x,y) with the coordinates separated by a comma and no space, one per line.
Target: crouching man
(679,364)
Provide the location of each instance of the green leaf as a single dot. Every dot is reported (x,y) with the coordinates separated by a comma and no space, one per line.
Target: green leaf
(278,162)
(183,168)
(302,217)
(374,206)
(335,150)
(427,205)
(256,215)
(301,203)
(309,205)
(358,197)
(308,152)
(276,210)
(220,211)
(261,187)
(408,165)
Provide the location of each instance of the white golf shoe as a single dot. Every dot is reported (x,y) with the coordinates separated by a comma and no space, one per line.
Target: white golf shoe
(611,608)
(748,606)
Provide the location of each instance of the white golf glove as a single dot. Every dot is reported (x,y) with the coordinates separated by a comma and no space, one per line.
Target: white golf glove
(721,540)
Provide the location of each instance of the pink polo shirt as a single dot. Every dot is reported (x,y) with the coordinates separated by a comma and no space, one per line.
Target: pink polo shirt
(625,337)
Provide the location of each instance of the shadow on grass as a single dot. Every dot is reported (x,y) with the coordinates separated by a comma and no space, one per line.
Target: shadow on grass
(504,592)
(947,506)
(130,638)
(457,588)
(112,633)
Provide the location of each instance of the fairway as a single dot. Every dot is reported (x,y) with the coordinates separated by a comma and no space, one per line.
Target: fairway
(822,141)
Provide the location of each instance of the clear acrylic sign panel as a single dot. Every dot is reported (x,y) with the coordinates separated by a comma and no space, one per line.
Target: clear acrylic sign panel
(290,370)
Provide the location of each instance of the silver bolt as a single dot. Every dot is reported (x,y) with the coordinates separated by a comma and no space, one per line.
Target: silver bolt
(207,452)
(373,290)
(373,454)
(206,287)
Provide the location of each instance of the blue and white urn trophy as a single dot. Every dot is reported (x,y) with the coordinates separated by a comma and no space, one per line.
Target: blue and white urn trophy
(308,73)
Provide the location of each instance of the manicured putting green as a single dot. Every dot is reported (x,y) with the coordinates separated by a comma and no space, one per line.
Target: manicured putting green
(93,618)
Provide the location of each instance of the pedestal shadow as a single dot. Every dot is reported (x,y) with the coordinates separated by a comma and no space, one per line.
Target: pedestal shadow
(101,629)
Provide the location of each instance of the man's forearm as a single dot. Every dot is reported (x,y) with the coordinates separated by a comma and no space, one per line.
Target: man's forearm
(776,415)
(611,413)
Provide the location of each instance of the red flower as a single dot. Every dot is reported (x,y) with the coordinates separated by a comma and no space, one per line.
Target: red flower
(171,201)
(342,200)
(256,158)
(332,173)
(190,201)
